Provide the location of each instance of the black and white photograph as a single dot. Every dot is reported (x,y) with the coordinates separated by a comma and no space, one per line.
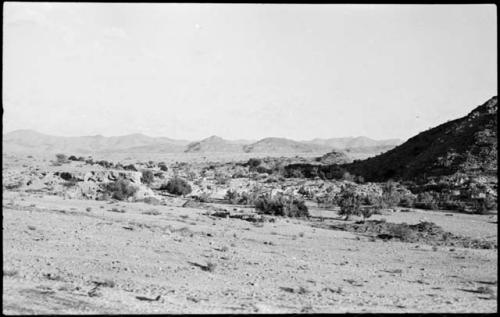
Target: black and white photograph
(249,158)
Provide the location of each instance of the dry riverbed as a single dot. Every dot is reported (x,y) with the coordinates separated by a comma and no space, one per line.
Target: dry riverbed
(83,256)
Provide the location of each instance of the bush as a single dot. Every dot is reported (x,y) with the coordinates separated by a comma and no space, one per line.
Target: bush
(327,201)
(426,200)
(295,173)
(105,164)
(66,176)
(348,177)
(367,212)
(120,189)
(204,197)
(177,186)
(263,170)
(407,201)
(163,166)
(372,200)
(130,167)
(402,231)
(221,178)
(349,202)
(147,177)
(390,196)
(73,158)
(483,206)
(61,158)
(281,205)
(233,197)
(307,193)
(254,162)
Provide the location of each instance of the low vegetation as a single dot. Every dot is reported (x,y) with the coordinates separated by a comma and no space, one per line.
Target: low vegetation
(177,186)
(121,189)
(281,205)
(147,177)
(349,202)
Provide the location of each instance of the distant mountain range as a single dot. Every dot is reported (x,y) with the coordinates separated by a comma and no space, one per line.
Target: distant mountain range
(29,141)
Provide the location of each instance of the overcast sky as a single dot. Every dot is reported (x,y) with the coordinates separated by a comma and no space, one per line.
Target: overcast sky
(244,70)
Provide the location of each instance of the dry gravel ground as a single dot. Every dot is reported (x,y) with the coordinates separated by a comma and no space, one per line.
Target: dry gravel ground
(61,257)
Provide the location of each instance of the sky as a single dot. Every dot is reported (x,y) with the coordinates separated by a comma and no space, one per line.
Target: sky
(244,71)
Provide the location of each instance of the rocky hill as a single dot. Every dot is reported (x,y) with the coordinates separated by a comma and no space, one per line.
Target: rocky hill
(214,144)
(282,145)
(335,157)
(466,145)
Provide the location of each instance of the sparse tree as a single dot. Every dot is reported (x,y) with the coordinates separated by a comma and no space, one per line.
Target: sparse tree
(349,202)
(147,177)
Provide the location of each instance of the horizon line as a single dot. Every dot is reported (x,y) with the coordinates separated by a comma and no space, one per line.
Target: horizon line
(210,136)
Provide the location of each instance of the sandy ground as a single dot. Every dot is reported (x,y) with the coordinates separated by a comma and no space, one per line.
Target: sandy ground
(61,257)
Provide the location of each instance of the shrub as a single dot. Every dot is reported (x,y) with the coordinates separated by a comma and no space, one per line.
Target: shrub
(232,196)
(484,205)
(349,202)
(281,205)
(120,189)
(130,167)
(407,201)
(402,231)
(177,186)
(244,198)
(14,185)
(348,177)
(254,162)
(163,166)
(295,173)
(305,192)
(73,158)
(204,197)
(105,164)
(191,176)
(147,177)
(221,178)
(61,158)
(426,200)
(372,200)
(367,212)
(263,170)
(327,201)
(66,176)
(390,196)
(360,179)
